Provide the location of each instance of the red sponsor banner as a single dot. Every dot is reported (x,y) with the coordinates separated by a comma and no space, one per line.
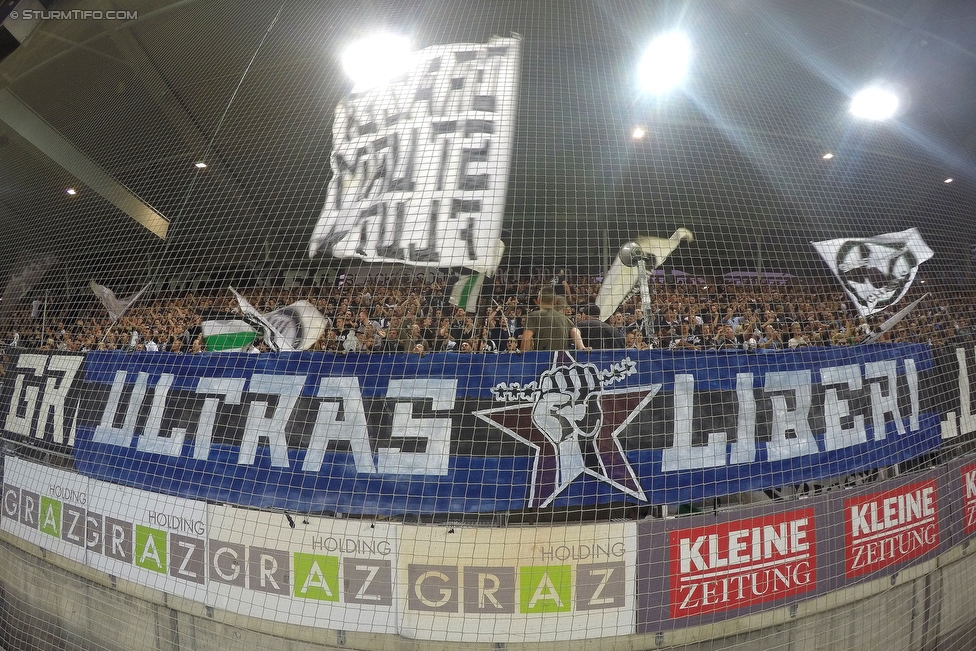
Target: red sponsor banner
(969,498)
(889,527)
(742,563)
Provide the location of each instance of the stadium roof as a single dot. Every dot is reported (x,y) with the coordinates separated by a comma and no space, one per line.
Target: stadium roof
(121,110)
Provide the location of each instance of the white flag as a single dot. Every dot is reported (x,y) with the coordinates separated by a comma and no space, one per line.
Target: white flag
(294,327)
(299,325)
(875,271)
(21,283)
(420,166)
(116,306)
(892,321)
(621,281)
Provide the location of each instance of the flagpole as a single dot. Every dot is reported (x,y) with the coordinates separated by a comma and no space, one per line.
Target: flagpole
(633,255)
(44,321)
(108,329)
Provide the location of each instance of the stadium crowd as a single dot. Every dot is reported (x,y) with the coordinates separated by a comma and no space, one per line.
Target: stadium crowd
(408,314)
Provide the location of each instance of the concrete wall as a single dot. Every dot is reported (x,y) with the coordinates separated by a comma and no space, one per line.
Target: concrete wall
(48,602)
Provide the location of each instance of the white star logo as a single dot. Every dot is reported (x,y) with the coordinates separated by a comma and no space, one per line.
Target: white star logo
(573,425)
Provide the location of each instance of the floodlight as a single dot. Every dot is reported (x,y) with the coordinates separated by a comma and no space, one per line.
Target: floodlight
(874,104)
(664,63)
(638,133)
(376,60)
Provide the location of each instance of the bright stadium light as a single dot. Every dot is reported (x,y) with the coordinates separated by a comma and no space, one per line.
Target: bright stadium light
(638,133)
(664,63)
(874,104)
(376,60)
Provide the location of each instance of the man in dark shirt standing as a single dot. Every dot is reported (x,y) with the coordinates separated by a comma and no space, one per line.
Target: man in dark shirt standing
(597,334)
(549,329)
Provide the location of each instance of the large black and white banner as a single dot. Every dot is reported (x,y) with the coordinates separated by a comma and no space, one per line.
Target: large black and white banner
(420,166)
(875,271)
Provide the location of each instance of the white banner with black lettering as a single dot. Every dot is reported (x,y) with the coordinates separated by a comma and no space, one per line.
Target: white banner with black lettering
(420,167)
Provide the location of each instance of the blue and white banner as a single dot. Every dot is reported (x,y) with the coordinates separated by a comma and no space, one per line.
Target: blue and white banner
(396,434)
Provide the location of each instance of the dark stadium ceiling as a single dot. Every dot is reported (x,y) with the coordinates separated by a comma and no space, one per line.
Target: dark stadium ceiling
(251,87)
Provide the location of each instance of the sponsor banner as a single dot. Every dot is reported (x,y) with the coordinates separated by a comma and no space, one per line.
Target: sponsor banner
(303,570)
(423,582)
(891,527)
(703,569)
(967,477)
(957,490)
(527,584)
(153,540)
(485,584)
(308,571)
(742,563)
(391,434)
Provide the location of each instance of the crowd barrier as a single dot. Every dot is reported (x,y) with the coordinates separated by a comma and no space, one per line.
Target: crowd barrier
(492,584)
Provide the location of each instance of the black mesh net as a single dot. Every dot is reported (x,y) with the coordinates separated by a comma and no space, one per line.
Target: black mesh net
(390,324)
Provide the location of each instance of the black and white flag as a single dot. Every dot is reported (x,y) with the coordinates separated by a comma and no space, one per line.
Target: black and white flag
(875,271)
(293,327)
(420,166)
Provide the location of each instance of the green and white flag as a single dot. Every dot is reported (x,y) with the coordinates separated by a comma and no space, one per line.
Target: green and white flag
(232,334)
(464,289)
